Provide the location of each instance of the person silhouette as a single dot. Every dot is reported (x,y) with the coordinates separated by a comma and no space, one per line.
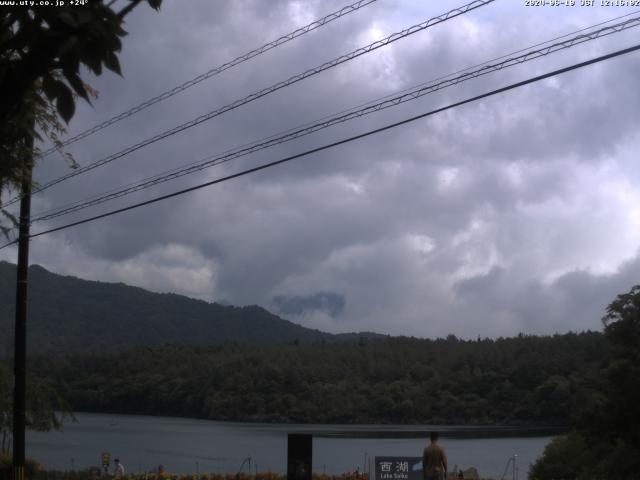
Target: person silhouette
(434,460)
(118,469)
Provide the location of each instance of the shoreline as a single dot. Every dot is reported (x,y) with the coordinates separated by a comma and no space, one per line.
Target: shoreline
(366,430)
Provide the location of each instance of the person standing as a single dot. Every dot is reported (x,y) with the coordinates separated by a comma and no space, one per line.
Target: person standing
(118,469)
(434,460)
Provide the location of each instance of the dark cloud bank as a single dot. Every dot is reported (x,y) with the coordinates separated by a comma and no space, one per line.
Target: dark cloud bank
(520,213)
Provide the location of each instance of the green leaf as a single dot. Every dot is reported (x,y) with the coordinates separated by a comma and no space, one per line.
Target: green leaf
(73,64)
(10,216)
(67,45)
(85,16)
(78,87)
(112,63)
(93,62)
(49,87)
(68,18)
(64,103)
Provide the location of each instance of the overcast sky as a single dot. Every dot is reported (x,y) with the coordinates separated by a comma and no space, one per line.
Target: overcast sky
(519,213)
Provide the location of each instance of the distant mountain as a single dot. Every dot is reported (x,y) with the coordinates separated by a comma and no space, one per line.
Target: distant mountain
(69,314)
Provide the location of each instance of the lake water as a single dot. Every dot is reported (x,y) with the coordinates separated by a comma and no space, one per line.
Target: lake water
(188,446)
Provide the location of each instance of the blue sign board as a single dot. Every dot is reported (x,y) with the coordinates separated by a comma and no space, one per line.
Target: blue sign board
(398,468)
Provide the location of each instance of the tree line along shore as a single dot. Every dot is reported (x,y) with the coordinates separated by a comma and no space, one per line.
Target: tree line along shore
(525,380)
(586,382)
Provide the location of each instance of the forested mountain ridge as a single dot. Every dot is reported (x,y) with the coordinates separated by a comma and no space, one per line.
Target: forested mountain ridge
(165,354)
(526,380)
(70,314)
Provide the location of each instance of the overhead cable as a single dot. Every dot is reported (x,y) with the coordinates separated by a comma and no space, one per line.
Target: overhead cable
(266,91)
(217,70)
(344,141)
(406,96)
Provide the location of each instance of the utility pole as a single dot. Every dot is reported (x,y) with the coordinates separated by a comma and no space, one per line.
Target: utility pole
(20,345)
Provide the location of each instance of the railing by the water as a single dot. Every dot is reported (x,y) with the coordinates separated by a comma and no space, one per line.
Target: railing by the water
(512,459)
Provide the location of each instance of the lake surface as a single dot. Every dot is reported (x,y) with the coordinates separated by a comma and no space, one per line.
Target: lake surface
(185,445)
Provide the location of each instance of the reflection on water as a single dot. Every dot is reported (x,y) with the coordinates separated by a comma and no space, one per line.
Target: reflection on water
(187,445)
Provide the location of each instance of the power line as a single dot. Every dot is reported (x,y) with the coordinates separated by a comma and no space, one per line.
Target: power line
(217,70)
(211,161)
(140,184)
(500,57)
(266,91)
(344,141)
(406,96)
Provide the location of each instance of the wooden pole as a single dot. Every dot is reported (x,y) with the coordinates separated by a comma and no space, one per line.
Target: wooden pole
(20,345)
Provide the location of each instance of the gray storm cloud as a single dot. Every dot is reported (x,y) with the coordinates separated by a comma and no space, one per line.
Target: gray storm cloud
(519,213)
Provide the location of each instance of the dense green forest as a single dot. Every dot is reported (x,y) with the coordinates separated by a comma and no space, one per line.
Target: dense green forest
(70,314)
(245,364)
(605,439)
(523,380)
